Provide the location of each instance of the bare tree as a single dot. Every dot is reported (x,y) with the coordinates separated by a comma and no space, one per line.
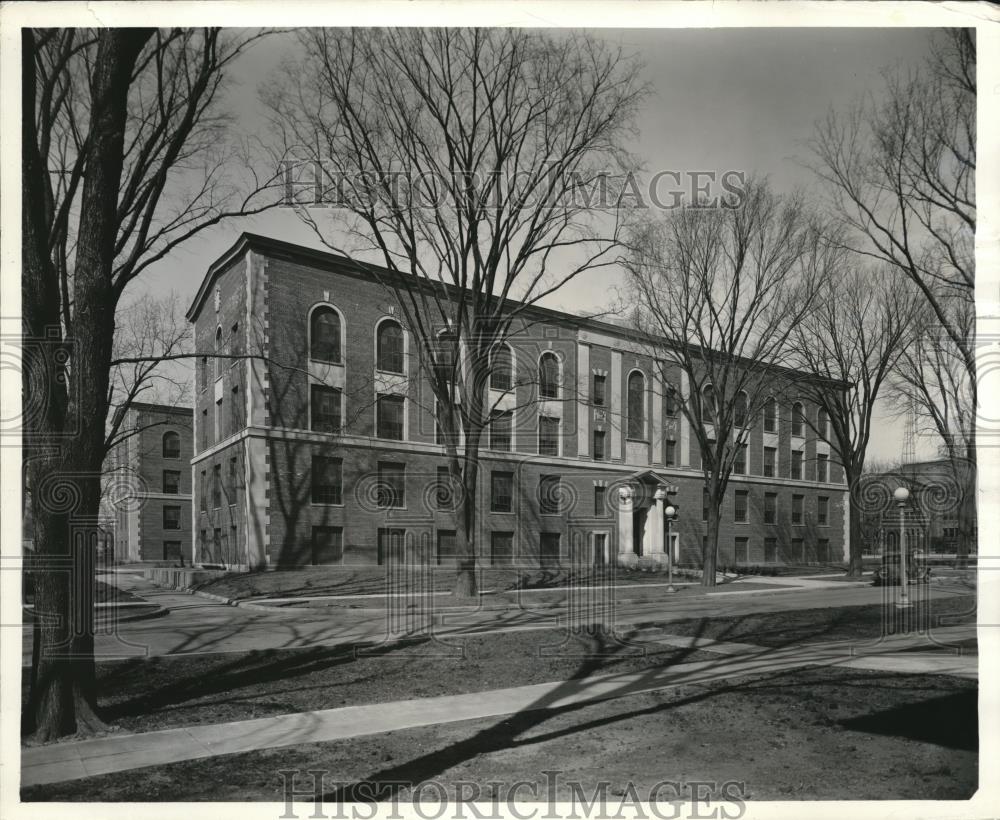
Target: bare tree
(861,324)
(900,172)
(465,160)
(124,157)
(932,382)
(725,289)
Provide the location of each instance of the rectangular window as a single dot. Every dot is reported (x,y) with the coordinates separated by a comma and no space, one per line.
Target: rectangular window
(548,549)
(217,540)
(823,550)
(390,417)
(171,518)
(600,390)
(327,545)
(171,481)
(704,504)
(391,485)
(203,487)
(742,550)
(443,495)
(798,549)
(770,550)
(204,429)
(391,545)
(501,548)
(599,452)
(822,511)
(217,486)
(549,491)
(500,429)
(501,492)
(669,400)
(548,436)
(740,461)
(797,464)
(232,483)
(446,546)
(236,345)
(236,408)
(327,480)
(325,404)
(797,509)
(670,453)
(600,500)
(740,514)
(171,550)
(219,432)
(770,508)
(770,458)
(822,467)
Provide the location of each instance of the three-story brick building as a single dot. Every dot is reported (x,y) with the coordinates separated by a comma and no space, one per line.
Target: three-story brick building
(316,441)
(147,484)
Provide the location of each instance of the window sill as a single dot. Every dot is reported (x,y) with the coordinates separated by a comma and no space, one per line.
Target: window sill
(501,512)
(381,372)
(323,504)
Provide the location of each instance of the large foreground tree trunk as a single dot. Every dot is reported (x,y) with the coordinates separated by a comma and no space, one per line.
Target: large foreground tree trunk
(68,360)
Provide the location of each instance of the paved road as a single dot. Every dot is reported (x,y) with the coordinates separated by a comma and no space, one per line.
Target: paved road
(196,625)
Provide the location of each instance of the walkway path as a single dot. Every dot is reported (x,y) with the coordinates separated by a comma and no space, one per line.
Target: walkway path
(74,760)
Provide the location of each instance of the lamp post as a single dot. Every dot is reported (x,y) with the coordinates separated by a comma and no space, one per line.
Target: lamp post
(669,514)
(901,495)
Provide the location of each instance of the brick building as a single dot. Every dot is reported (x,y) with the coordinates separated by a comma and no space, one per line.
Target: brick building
(324,449)
(930,519)
(147,485)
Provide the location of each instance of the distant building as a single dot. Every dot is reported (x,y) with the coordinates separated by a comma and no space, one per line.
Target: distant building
(147,485)
(930,518)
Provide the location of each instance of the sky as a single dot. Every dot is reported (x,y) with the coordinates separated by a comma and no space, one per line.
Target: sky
(722,99)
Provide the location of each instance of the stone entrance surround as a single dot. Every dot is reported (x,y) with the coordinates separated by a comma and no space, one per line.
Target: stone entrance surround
(642,502)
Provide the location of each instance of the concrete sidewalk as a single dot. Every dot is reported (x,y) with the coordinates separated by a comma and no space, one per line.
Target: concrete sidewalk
(77,759)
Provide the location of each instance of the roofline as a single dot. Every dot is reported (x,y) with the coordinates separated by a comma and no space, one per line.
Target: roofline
(328,259)
(161,408)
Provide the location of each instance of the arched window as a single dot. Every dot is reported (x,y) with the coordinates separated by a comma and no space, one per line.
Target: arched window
(171,445)
(823,423)
(770,415)
(798,419)
(636,405)
(502,368)
(218,352)
(708,403)
(548,376)
(740,409)
(389,347)
(446,355)
(324,335)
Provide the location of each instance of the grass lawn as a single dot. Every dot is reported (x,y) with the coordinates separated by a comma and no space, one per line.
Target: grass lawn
(827,733)
(141,695)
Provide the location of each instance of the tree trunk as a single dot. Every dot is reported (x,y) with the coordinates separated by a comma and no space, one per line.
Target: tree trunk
(855,527)
(64,443)
(466,585)
(710,553)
